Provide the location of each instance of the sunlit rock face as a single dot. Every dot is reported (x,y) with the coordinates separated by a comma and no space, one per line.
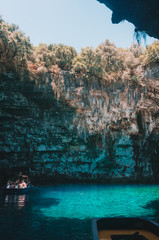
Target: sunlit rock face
(120,118)
(143,14)
(70,129)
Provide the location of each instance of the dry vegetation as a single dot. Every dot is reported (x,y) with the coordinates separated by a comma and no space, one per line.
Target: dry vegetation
(105,63)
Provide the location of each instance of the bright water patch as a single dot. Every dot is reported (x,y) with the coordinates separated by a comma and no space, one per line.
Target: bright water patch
(82,201)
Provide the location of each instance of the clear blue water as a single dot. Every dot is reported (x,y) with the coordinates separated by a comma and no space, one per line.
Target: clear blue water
(65,211)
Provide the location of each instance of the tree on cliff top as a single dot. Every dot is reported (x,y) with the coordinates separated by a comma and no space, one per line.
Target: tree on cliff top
(88,64)
(151,54)
(43,56)
(49,55)
(15,48)
(64,56)
(111,60)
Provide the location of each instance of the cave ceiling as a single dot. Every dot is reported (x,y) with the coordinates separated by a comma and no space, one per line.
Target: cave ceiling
(144,14)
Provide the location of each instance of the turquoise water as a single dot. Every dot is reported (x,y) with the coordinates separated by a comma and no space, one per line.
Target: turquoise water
(65,211)
(99,201)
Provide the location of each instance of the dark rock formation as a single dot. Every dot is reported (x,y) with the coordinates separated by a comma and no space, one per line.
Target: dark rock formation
(143,14)
(70,129)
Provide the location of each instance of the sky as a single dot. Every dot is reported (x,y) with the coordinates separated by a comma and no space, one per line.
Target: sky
(77,23)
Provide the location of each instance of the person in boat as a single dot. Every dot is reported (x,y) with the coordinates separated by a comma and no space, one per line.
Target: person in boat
(8,184)
(17,184)
(12,184)
(22,184)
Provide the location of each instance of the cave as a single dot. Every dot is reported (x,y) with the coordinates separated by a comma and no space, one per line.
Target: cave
(69,128)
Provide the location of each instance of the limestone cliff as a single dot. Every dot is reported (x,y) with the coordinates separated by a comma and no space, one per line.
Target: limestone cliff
(71,129)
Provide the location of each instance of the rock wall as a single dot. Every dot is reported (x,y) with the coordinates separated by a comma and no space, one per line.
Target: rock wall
(78,130)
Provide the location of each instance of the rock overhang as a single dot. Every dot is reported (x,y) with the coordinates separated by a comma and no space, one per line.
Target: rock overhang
(143,14)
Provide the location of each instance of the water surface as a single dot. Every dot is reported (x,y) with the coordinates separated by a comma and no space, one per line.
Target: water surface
(65,211)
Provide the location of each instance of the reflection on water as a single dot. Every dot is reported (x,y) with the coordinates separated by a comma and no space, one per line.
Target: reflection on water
(64,212)
(16,200)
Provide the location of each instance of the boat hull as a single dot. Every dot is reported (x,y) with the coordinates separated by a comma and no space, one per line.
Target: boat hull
(123,228)
(16,190)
